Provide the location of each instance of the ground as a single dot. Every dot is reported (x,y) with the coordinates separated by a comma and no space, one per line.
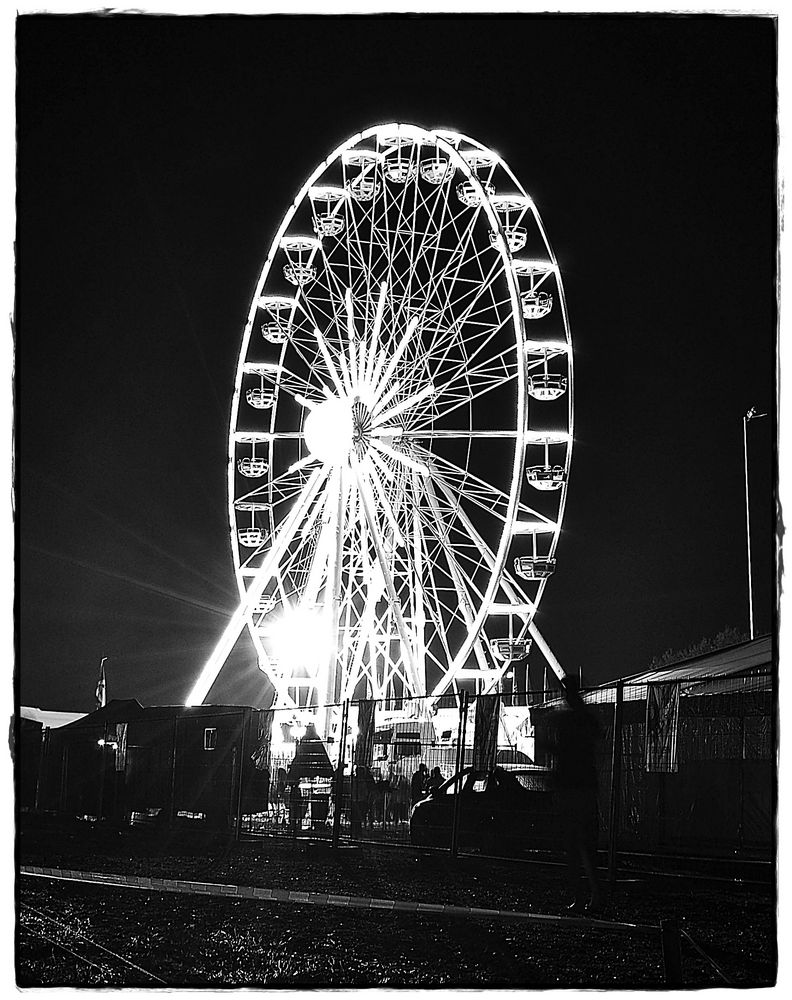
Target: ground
(71,933)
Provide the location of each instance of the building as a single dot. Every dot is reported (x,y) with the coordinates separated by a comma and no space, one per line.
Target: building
(124,761)
(694,763)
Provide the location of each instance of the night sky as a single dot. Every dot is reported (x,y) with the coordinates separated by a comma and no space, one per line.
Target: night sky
(156,158)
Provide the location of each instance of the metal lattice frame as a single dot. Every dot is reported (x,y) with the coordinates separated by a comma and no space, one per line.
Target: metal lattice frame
(410,292)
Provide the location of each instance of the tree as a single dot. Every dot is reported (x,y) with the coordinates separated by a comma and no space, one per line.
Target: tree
(729,636)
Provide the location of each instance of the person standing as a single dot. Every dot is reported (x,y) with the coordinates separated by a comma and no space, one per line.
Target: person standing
(296,808)
(362,782)
(435,779)
(418,784)
(576,733)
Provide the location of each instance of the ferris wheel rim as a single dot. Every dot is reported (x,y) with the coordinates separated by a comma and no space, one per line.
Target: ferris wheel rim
(417,133)
(443,140)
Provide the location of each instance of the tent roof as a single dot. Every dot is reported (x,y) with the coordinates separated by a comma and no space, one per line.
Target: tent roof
(744,667)
(117,710)
(742,658)
(741,668)
(129,710)
(49,720)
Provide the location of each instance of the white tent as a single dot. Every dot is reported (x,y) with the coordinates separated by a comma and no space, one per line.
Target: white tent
(50,720)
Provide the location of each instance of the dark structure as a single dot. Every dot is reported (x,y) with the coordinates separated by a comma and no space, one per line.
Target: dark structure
(164,762)
(687,762)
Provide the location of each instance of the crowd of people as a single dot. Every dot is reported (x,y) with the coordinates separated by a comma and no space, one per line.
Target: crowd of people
(375,798)
(424,782)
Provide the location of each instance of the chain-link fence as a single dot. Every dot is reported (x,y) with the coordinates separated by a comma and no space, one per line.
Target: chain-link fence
(682,766)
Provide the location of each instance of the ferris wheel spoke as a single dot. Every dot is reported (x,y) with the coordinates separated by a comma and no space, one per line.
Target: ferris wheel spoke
(472,559)
(313,334)
(405,404)
(331,368)
(407,230)
(457,288)
(374,479)
(371,354)
(489,331)
(431,241)
(462,585)
(304,349)
(465,484)
(448,281)
(446,535)
(317,310)
(385,366)
(478,334)
(458,434)
(361,251)
(510,586)
(437,642)
(481,383)
(399,456)
(388,474)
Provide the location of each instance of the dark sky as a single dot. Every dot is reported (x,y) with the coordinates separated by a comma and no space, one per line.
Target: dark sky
(156,157)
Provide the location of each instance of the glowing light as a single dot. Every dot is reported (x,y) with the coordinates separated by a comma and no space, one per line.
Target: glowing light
(301,639)
(328,431)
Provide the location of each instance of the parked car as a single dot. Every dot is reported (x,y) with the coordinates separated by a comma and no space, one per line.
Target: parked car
(500,812)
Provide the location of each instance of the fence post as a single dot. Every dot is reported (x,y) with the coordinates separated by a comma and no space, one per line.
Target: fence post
(64,778)
(339,775)
(615,789)
(240,776)
(172,803)
(42,769)
(672,951)
(460,763)
(741,789)
(102,776)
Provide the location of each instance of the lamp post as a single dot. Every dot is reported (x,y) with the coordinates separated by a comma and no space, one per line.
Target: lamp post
(750,415)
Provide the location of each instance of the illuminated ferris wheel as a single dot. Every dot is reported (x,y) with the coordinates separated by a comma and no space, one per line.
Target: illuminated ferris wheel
(401,428)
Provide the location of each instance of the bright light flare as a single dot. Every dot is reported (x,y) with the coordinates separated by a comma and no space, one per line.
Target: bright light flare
(328,431)
(301,639)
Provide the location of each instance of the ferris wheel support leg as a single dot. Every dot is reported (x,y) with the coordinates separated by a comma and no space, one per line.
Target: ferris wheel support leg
(548,654)
(489,557)
(334,577)
(418,688)
(240,617)
(461,590)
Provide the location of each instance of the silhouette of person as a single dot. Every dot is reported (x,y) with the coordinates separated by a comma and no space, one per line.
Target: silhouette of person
(418,784)
(576,733)
(362,784)
(297,807)
(435,779)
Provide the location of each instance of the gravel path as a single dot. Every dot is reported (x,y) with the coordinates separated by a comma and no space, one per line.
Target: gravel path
(187,940)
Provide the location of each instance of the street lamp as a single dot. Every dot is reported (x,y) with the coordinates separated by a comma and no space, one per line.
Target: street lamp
(750,415)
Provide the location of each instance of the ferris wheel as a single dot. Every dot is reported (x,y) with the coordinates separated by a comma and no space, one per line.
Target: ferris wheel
(401,428)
